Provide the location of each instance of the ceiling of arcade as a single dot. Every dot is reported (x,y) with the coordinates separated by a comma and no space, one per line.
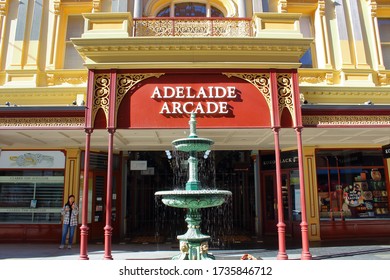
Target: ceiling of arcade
(225,139)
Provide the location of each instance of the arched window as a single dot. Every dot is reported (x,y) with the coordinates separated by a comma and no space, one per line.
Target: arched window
(164,12)
(190,9)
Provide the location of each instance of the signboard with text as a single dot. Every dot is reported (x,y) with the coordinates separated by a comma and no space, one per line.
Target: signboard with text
(386,151)
(217,100)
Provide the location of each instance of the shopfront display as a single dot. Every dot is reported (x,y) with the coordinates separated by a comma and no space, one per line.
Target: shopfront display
(31,186)
(352,184)
(31,199)
(290,192)
(31,194)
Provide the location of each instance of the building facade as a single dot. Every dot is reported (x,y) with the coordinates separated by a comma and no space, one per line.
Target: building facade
(295,95)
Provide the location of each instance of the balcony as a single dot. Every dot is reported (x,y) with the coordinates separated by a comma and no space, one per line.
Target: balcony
(122,25)
(193,27)
(117,40)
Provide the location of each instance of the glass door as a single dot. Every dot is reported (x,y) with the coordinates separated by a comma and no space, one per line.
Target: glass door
(271,203)
(98,206)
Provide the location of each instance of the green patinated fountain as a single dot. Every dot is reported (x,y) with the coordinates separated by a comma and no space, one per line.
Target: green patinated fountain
(193,244)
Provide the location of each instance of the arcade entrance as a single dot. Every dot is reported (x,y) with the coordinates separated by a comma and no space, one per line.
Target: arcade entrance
(148,220)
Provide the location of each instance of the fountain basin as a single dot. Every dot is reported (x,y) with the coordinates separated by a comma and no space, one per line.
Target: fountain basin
(194,199)
(193,144)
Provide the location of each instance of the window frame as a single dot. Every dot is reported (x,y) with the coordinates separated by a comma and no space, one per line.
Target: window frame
(154,9)
(384,44)
(67,9)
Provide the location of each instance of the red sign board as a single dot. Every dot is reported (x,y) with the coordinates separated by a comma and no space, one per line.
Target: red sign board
(217,100)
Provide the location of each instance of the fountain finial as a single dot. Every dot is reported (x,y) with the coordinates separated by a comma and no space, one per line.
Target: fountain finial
(192,123)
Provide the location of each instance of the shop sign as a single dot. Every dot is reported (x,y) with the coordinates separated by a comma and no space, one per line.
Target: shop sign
(178,100)
(32,159)
(218,101)
(386,151)
(31,179)
(29,210)
(287,160)
(138,165)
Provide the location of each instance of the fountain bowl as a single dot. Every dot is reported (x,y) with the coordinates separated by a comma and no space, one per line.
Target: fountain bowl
(194,199)
(193,144)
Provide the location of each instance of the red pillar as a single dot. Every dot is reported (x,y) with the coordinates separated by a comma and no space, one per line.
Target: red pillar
(88,130)
(282,255)
(84,211)
(298,128)
(306,255)
(108,227)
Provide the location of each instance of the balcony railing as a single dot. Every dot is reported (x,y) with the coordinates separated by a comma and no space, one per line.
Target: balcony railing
(193,27)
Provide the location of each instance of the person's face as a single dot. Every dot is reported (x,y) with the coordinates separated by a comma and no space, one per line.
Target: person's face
(71,200)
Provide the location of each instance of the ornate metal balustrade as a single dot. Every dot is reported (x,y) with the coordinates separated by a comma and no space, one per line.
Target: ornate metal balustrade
(193,27)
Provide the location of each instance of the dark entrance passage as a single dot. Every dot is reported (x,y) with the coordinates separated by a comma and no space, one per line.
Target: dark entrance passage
(148,220)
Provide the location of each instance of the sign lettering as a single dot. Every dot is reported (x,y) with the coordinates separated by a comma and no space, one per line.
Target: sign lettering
(185,99)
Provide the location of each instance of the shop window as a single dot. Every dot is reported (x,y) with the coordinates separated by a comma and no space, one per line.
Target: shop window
(75,28)
(295,195)
(351,184)
(31,196)
(384,27)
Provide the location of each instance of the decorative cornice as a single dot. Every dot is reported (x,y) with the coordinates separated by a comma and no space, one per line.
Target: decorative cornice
(374,7)
(195,47)
(57,78)
(3,7)
(59,96)
(314,79)
(66,122)
(337,121)
(191,49)
(346,91)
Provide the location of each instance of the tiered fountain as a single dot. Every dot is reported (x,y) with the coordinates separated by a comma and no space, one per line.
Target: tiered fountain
(193,244)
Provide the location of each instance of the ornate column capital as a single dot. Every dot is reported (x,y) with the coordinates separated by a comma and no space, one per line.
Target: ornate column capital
(88,130)
(282,6)
(321,7)
(374,7)
(57,7)
(96,5)
(3,7)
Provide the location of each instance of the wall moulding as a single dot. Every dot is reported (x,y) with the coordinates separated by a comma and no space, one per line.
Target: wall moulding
(57,78)
(40,96)
(66,122)
(347,121)
(344,95)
